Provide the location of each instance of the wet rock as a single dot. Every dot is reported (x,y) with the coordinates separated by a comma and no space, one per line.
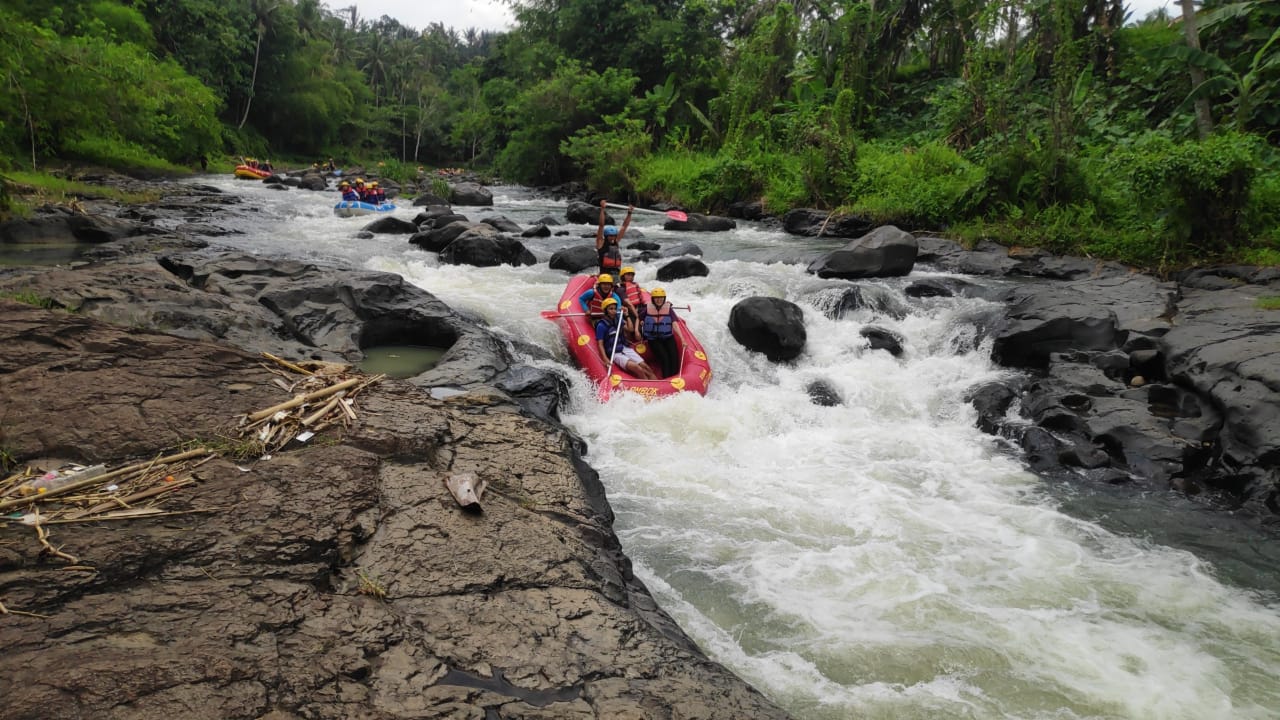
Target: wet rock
(879,338)
(575,259)
(365,235)
(862,297)
(391,226)
(477,247)
(928,288)
(538,230)
(63,226)
(682,268)
(821,392)
(769,325)
(438,238)
(291,567)
(313,182)
(810,222)
(428,199)
(644,245)
(277,186)
(992,401)
(548,220)
(468,193)
(503,225)
(581,213)
(697,222)
(747,210)
(682,249)
(883,252)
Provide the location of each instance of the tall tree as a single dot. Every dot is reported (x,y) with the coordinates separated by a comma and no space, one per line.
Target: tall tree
(263,13)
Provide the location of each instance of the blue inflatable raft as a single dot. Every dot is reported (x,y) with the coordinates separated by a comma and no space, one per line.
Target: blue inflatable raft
(353,208)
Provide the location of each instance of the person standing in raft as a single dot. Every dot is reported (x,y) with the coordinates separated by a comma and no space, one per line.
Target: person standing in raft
(608,241)
(658,328)
(592,301)
(609,343)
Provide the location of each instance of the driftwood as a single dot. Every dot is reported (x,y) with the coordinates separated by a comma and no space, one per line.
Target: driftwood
(303,399)
(467,489)
(100,479)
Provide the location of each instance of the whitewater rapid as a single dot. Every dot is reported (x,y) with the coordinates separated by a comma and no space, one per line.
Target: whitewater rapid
(878,559)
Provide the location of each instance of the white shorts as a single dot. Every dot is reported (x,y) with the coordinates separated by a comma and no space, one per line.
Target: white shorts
(626,355)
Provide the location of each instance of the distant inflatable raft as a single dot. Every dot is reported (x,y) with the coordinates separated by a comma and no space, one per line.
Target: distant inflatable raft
(694,374)
(353,208)
(244,172)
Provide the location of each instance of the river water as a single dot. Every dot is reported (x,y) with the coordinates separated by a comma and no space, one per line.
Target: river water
(883,558)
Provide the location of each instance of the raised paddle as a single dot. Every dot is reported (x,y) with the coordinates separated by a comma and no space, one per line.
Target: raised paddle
(554,315)
(673,214)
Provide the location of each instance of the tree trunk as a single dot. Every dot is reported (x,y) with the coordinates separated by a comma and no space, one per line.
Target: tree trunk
(253,81)
(1204,118)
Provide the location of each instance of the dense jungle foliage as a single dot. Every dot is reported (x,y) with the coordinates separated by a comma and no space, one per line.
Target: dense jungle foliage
(1060,123)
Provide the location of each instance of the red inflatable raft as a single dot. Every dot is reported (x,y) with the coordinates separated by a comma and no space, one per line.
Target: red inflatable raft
(580,336)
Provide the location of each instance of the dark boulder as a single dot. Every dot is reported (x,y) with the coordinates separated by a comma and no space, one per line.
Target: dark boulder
(877,299)
(697,222)
(502,224)
(683,268)
(645,245)
(313,182)
(881,339)
(391,226)
(883,252)
(486,249)
(992,401)
(927,288)
(67,227)
(810,222)
(277,186)
(575,259)
(468,193)
(428,199)
(681,249)
(581,213)
(548,220)
(437,239)
(821,392)
(538,230)
(747,210)
(769,325)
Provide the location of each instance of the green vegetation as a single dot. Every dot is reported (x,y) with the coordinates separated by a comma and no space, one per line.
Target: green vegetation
(1270,302)
(1050,123)
(30,298)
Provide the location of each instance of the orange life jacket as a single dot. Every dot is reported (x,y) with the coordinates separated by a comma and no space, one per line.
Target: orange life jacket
(610,255)
(633,293)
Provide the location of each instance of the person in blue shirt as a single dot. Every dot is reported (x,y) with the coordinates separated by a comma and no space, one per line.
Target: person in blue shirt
(592,300)
(658,328)
(348,194)
(613,341)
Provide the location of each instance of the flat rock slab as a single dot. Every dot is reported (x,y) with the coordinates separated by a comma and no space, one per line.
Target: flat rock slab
(336,580)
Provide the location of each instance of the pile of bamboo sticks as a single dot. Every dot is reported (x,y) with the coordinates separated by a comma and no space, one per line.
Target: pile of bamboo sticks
(325,397)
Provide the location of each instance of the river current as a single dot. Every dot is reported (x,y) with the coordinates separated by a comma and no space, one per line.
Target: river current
(879,559)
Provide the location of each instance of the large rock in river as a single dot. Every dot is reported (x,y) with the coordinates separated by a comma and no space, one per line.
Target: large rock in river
(575,259)
(883,252)
(697,222)
(486,249)
(470,194)
(769,325)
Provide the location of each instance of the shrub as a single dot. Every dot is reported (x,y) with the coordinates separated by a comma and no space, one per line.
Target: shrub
(930,185)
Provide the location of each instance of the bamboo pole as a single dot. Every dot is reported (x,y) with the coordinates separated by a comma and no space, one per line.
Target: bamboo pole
(72,487)
(303,399)
(287,364)
(333,402)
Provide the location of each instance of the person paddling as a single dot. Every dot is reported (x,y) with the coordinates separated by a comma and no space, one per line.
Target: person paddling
(609,239)
(658,328)
(609,343)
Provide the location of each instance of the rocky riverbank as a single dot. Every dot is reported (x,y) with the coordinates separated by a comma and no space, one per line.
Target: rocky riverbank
(337,578)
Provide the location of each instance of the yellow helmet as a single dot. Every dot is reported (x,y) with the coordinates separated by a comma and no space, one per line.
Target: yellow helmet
(658,292)
(359,181)
(604,278)
(628,269)
(344,184)
(373,184)
(608,303)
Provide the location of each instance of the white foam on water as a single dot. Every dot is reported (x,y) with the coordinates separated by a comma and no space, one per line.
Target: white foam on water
(878,559)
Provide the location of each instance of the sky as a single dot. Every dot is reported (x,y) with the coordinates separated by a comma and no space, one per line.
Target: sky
(496,15)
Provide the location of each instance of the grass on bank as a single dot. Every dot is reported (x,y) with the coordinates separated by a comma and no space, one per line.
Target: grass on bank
(24,190)
(29,298)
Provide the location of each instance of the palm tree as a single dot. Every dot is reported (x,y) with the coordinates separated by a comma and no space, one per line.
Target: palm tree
(264,15)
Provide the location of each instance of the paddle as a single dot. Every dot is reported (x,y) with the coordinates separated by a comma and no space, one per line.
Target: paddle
(553,315)
(673,214)
(608,368)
